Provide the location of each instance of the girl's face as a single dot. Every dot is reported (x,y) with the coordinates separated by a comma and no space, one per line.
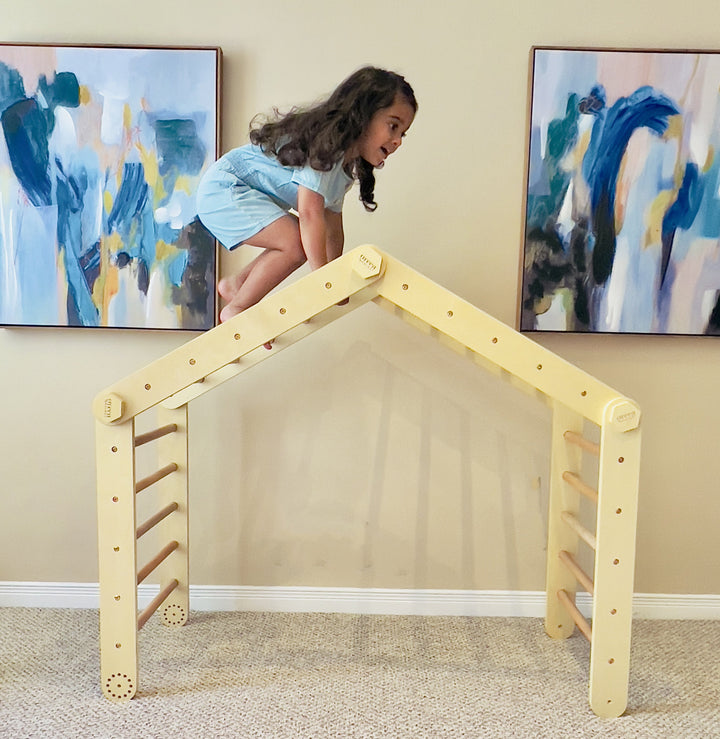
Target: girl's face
(385,132)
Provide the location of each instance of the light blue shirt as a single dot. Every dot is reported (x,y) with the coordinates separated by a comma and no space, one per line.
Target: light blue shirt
(264,172)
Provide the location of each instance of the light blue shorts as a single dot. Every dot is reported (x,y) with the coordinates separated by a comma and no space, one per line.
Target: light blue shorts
(230,209)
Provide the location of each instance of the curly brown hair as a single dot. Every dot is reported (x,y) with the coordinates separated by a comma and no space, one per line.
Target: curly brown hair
(320,135)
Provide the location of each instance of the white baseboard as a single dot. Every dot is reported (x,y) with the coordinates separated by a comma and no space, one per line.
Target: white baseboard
(498,603)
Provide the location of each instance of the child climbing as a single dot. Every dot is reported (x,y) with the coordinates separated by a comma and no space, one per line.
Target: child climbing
(306,161)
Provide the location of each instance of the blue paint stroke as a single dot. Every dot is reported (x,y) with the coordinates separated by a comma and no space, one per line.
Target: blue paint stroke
(131,198)
(176,267)
(132,217)
(180,150)
(27,134)
(549,181)
(644,108)
(70,191)
(681,213)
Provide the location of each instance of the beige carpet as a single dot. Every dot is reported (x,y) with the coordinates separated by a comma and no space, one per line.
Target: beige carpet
(316,675)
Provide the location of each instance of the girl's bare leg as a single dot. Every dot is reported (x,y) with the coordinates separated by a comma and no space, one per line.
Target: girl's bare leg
(228,286)
(282,256)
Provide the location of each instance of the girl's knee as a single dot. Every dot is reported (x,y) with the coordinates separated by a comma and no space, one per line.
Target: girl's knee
(295,253)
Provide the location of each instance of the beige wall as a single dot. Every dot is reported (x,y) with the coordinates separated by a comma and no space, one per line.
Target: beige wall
(368,456)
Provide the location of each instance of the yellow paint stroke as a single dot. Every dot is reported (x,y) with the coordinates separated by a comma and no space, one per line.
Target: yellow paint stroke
(62,286)
(108,201)
(656,212)
(107,284)
(709,160)
(573,159)
(621,193)
(163,250)
(85,95)
(151,167)
(127,117)
(185,183)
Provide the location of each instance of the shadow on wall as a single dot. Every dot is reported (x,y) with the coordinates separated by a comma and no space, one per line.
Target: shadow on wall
(389,462)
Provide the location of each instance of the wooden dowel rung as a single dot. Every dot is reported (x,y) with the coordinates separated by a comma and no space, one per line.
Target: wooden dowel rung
(160,557)
(580,575)
(580,620)
(146,482)
(587,536)
(155,434)
(155,520)
(156,602)
(573,437)
(582,487)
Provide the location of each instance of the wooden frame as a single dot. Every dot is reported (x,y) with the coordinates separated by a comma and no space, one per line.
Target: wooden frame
(103,149)
(364,275)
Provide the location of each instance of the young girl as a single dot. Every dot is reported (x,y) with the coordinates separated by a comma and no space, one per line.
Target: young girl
(306,160)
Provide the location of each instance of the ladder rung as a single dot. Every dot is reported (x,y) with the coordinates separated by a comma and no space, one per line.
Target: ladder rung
(146,482)
(580,575)
(155,434)
(580,620)
(155,520)
(582,487)
(160,557)
(573,437)
(587,536)
(156,602)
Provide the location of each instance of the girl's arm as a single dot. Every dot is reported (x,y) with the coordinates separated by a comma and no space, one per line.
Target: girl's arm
(313,229)
(335,235)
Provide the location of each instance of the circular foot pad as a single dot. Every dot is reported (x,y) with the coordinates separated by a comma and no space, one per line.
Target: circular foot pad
(119,687)
(174,615)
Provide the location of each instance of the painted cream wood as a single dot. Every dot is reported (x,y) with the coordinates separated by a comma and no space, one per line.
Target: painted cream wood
(363,275)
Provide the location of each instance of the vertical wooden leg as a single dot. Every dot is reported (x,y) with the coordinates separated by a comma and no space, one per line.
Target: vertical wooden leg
(558,622)
(115,460)
(614,569)
(174,489)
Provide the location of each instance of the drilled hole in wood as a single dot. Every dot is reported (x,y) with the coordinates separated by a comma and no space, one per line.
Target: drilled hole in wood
(405,286)
(621,459)
(539,366)
(583,393)
(494,341)
(613,611)
(115,499)
(618,511)
(113,449)
(192,361)
(283,311)
(236,337)
(148,386)
(328,285)
(450,314)
(616,561)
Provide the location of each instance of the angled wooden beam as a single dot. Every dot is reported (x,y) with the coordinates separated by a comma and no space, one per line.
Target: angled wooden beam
(272,317)
(510,350)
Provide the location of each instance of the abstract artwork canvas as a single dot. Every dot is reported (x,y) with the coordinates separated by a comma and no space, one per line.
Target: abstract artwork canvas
(100,154)
(622,221)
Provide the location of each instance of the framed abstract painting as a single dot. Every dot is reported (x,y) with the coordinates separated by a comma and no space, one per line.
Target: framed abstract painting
(100,154)
(622,213)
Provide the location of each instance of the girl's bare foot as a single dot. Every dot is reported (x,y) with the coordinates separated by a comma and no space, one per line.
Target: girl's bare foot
(228,312)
